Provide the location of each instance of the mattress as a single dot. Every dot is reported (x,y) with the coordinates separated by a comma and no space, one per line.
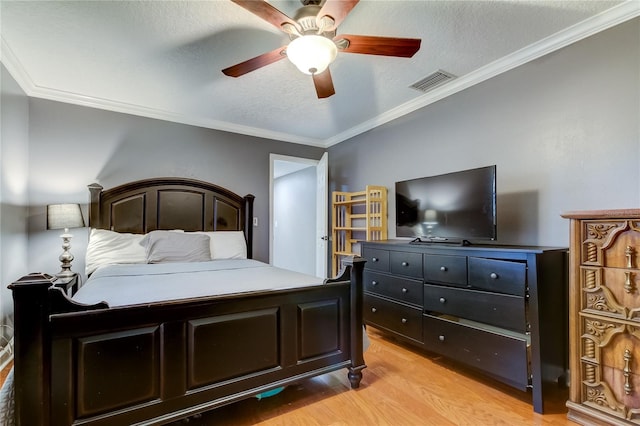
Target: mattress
(132,284)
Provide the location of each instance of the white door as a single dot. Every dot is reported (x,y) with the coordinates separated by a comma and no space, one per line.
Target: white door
(322,216)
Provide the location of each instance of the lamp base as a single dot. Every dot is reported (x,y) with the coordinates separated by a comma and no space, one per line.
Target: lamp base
(64,273)
(66,257)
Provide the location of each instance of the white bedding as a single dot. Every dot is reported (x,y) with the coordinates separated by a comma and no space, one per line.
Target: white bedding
(121,285)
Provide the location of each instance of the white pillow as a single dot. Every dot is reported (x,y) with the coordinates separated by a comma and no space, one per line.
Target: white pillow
(108,248)
(170,246)
(227,244)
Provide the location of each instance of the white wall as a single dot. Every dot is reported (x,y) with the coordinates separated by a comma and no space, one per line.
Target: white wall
(14,125)
(564,132)
(294,212)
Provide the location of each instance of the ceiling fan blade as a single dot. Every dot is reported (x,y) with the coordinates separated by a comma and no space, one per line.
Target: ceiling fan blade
(385,46)
(267,12)
(324,84)
(255,63)
(337,10)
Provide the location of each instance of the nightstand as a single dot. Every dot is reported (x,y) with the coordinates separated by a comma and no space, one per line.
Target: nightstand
(68,284)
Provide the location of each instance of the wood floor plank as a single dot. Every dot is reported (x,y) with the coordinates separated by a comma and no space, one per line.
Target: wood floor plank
(401,386)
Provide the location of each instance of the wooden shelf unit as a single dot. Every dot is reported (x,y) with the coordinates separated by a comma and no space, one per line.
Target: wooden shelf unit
(356,216)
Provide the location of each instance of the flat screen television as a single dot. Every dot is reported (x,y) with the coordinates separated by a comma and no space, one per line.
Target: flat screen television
(454,207)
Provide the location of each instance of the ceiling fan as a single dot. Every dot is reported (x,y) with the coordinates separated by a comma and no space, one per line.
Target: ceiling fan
(314,43)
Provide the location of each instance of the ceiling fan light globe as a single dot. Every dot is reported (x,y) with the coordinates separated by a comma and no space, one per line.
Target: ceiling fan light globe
(312,54)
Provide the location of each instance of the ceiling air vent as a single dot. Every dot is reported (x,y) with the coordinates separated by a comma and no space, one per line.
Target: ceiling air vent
(433,80)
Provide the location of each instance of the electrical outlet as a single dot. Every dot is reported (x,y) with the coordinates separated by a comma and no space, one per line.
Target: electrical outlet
(255,222)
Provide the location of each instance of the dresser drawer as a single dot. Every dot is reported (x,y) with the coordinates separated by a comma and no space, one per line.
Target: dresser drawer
(501,276)
(376,259)
(503,356)
(395,317)
(610,291)
(616,392)
(609,357)
(501,310)
(406,263)
(621,251)
(446,269)
(610,343)
(402,289)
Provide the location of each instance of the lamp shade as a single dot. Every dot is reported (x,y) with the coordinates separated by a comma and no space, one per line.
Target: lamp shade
(430,216)
(63,216)
(312,54)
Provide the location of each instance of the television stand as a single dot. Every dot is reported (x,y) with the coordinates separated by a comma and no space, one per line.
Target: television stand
(440,240)
(501,310)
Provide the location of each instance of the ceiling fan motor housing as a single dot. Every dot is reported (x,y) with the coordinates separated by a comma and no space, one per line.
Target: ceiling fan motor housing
(307,19)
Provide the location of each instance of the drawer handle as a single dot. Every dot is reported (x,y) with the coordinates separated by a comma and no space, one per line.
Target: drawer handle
(404,290)
(629,286)
(493,276)
(441,337)
(443,300)
(629,254)
(374,310)
(405,263)
(375,259)
(374,283)
(404,320)
(628,389)
(443,268)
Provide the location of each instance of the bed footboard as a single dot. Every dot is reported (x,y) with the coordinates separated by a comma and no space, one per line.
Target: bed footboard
(157,363)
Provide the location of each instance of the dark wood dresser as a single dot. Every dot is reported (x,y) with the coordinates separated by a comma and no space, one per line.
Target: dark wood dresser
(499,309)
(604,317)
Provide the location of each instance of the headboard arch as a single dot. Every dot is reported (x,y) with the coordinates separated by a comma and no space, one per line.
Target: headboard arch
(171,203)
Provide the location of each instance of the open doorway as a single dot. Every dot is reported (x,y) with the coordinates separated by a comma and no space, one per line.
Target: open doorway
(298,214)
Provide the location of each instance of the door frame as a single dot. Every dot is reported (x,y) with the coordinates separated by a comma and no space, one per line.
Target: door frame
(321,220)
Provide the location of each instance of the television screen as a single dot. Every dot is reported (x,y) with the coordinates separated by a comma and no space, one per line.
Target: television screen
(456,206)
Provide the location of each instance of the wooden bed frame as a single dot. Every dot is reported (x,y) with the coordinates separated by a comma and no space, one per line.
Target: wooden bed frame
(157,363)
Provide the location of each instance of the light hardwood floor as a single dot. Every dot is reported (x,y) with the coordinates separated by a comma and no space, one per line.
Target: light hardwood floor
(401,386)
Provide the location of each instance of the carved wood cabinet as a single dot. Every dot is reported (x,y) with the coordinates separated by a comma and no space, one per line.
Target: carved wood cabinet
(604,317)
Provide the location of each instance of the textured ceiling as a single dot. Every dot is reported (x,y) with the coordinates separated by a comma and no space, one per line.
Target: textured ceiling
(162,59)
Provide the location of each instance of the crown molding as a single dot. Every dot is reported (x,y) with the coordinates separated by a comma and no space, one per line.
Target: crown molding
(612,17)
(26,83)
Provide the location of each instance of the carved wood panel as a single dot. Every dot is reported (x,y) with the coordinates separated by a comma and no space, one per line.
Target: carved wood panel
(609,328)
(611,291)
(610,243)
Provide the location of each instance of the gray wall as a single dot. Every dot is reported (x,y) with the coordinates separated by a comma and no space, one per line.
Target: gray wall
(14,125)
(564,132)
(72,146)
(294,213)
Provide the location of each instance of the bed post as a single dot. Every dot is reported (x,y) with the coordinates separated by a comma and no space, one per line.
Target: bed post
(32,357)
(95,189)
(357,359)
(248,223)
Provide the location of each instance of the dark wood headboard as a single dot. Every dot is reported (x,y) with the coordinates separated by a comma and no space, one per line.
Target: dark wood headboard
(171,203)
